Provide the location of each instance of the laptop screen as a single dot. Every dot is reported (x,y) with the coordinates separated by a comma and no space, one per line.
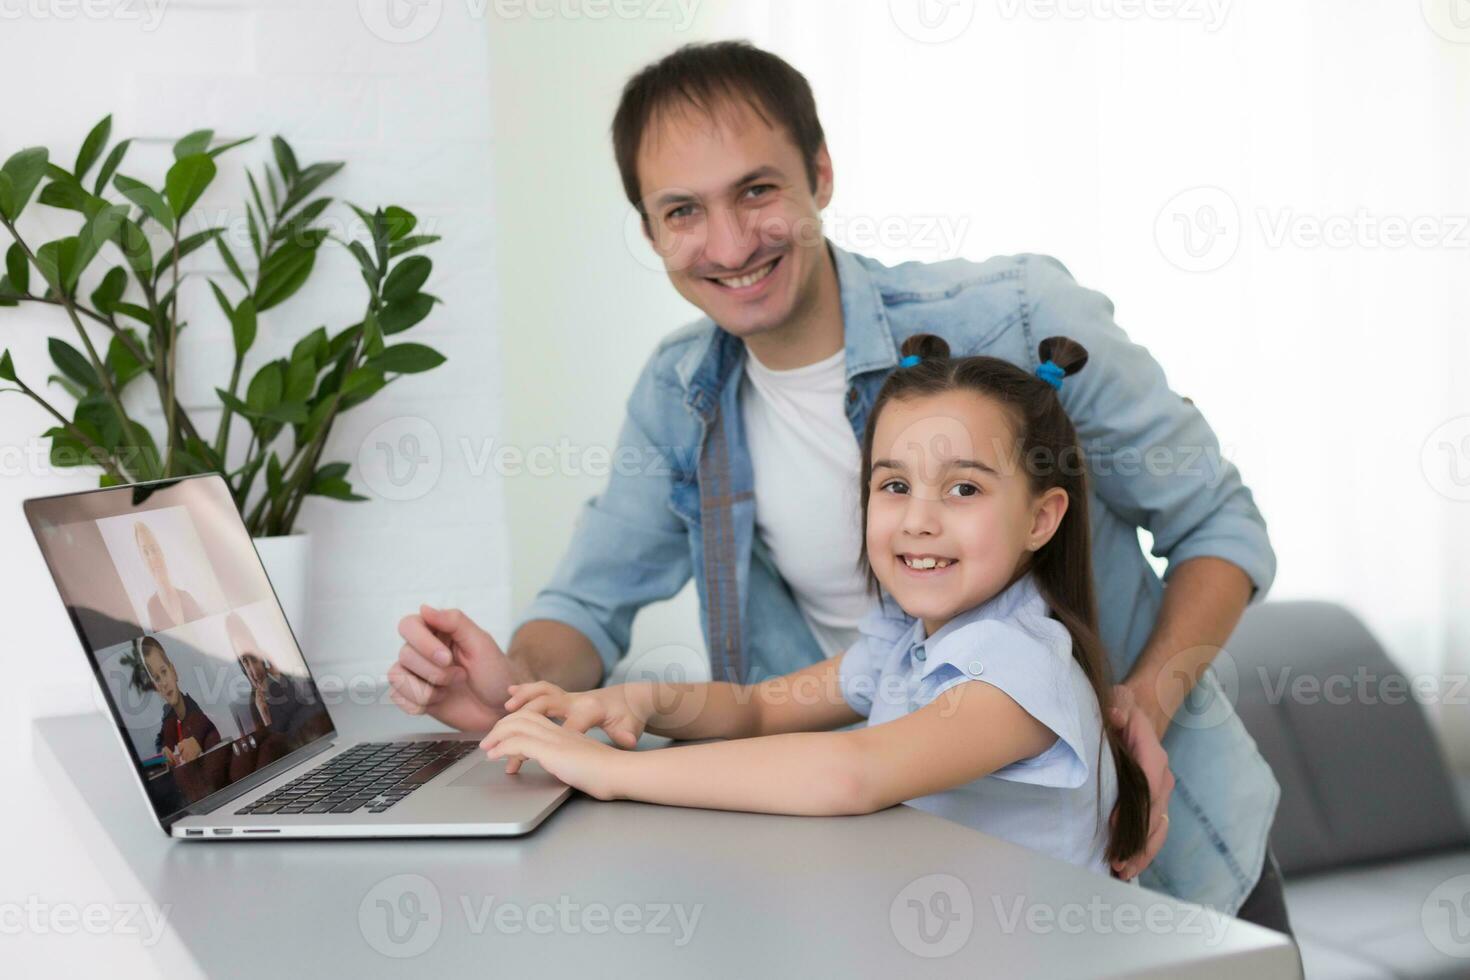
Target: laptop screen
(199,668)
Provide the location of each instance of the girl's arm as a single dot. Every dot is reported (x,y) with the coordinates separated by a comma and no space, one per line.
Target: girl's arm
(809,699)
(970,731)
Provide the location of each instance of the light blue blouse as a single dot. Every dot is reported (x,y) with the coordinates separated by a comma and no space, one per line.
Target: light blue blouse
(1057,802)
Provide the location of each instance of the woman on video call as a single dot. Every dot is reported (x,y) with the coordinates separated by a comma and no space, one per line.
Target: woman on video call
(169,606)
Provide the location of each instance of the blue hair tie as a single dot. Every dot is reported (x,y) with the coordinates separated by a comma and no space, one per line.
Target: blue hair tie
(1051,373)
(910,360)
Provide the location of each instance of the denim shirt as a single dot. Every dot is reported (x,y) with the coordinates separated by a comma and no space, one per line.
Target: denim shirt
(680,503)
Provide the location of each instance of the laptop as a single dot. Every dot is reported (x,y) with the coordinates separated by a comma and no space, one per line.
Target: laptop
(218,712)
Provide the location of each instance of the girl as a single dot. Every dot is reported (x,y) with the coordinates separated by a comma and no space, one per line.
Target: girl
(979,670)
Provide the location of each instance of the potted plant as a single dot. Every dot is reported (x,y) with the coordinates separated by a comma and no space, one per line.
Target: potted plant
(128,249)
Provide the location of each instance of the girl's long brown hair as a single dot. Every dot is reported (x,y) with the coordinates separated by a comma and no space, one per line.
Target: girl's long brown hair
(1047,449)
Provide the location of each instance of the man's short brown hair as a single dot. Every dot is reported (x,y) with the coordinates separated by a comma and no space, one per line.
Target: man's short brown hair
(703,76)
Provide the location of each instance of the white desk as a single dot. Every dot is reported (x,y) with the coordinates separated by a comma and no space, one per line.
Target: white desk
(629,889)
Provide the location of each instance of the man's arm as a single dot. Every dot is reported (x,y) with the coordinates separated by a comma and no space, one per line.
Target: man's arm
(549,650)
(1203,602)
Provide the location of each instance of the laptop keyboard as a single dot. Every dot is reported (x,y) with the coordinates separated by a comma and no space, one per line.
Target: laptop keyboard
(370,775)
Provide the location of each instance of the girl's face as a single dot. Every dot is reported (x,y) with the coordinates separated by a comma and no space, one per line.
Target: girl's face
(951,516)
(161,670)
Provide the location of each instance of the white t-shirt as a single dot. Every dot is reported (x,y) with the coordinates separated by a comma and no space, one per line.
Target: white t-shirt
(806,462)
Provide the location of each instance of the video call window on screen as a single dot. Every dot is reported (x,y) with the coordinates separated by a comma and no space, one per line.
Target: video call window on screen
(187,639)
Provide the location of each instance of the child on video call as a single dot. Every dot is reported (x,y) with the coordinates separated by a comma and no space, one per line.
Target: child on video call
(979,670)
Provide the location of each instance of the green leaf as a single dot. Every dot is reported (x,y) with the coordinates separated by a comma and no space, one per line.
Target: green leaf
(18,268)
(138,313)
(300,376)
(243,326)
(307,181)
(186,180)
(282,273)
(293,412)
(254,232)
(193,144)
(55,260)
(66,449)
(331,471)
(231,264)
(400,222)
(397,317)
(273,476)
(285,158)
(264,392)
(100,229)
(408,359)
(203,452)
(134,245)
(23,171)
(72,364)
(108,480)
(92,146)
(68,386)
(7,368)
(361,378)
(298,225)
(369,268)
(406,245)
(234,404)
(67,194)
(407,278)
(372,335)
(110,165)
(95,416)
(139,453)
(146,198)
(337,489)
(312,347)
(121,362)
(110,290)
(191,244)
(230,146)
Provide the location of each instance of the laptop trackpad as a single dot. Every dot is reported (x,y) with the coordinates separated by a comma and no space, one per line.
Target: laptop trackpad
(486,773)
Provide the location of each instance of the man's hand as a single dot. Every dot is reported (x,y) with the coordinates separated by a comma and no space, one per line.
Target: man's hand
(451,670)
(1142,743)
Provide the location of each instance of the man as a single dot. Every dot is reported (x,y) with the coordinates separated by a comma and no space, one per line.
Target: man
(754,413)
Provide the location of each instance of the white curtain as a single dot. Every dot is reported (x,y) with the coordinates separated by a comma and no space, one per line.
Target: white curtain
(1273,195)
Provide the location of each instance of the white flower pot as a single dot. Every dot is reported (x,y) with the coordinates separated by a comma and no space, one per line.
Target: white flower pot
(287,560)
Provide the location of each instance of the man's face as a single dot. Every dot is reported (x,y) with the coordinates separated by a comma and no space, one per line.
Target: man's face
(732,214)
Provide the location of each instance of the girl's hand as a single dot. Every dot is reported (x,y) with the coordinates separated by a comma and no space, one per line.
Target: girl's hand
(608,708)
(570,756)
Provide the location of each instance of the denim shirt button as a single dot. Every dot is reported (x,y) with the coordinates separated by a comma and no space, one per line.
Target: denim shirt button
(919,654)
(976,667)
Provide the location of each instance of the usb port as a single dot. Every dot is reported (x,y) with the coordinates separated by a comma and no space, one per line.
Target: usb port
(193,833)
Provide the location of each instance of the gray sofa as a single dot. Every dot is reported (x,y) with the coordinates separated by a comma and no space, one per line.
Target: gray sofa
(1370,822)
